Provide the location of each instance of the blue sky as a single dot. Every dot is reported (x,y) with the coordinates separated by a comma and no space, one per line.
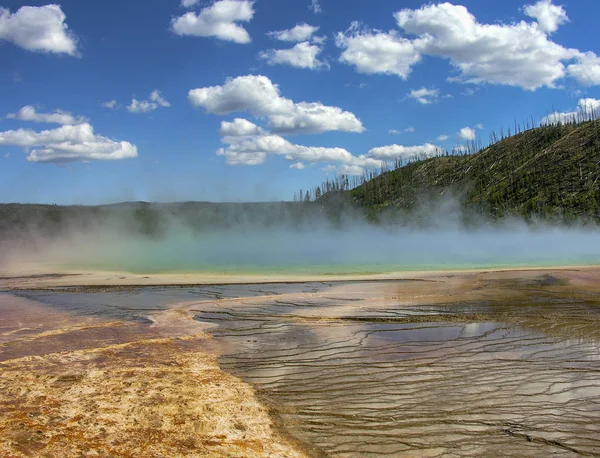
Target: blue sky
(351,86)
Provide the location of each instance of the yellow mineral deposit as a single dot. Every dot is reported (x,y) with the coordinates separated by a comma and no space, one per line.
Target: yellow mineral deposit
(471,363)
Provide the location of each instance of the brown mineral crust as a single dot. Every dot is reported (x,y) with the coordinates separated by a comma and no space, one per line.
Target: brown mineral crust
(134,394)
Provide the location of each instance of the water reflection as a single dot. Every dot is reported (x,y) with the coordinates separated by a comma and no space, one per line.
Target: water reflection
(357,377)
(441,388)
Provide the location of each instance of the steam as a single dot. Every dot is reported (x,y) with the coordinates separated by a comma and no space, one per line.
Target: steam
(281,238)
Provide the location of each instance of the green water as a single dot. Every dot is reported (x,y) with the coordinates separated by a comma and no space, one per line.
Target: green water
(333,253)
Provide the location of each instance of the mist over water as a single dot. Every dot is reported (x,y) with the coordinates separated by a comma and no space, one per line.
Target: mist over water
(354,248)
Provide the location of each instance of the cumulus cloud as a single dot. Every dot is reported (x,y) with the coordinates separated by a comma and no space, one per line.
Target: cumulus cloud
(259,96)
(218,20)
(346,169)
(424,96)
(301,32)
(404,152)
(315,6)
(154,101)
(443,138)
(297,166)
(188,3)
(274,144)
(374,51)
(586,70)
(39,29)
(111,105)
(248,144)
(29,113)
(239,128)
(254,150)
(467,134)
(518,54)
(548,16)
(586,109)
(302,55)
(67,143)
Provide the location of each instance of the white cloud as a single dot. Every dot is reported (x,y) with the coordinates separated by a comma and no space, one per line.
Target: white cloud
(255,150)
(586,109)
(28,113)
(301,32)
(424,96)
(67,143)
(188,3)
(516,54)
(586,70)
(297,166)
(156,97)
(467,134)
(315,6)
(408,130)
(319,40)
(548,16)
(40,29)
(443,138)
(302,55)
(111,105)
(239,158)
(404,152)
(259,96)
(239,128)
(479,126)
(349,170)
(274,144)
(145,106)
(218,20)
(589,104)
(373,51)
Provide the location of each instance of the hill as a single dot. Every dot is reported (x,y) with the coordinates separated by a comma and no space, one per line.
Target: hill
(155,219)
(551,171)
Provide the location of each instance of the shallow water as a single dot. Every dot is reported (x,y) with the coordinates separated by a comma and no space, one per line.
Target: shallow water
(356,249)
(349,376)
(358,387)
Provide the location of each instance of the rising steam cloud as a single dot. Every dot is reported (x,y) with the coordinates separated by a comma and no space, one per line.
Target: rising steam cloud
(283,238)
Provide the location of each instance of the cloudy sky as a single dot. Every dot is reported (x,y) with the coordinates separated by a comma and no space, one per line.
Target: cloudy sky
(238,100)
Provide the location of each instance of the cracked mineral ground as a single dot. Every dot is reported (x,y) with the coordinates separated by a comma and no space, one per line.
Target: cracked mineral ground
(503,363)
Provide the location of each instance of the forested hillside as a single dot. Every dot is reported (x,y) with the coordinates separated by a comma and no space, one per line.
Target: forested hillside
(551,172)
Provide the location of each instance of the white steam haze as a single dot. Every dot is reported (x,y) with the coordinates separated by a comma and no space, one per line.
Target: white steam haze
(249,243)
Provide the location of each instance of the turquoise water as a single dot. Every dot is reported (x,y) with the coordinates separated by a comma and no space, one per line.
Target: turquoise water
(332,252)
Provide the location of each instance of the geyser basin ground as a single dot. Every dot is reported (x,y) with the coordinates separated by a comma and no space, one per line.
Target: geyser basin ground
(437,364)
